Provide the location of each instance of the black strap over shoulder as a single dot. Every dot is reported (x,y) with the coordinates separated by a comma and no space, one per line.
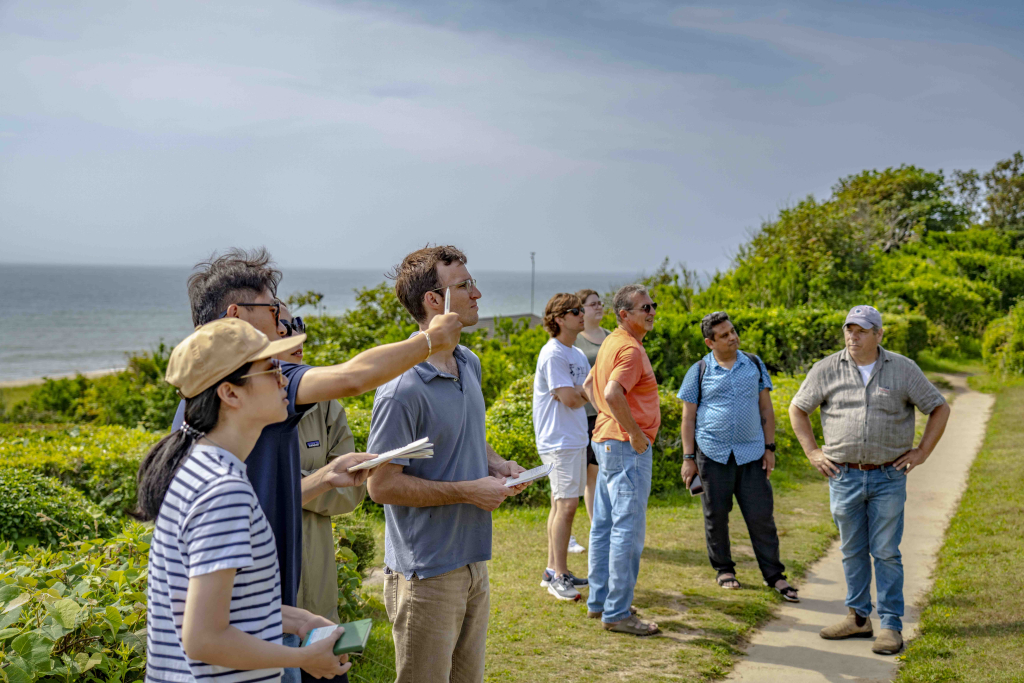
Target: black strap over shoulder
(702,367)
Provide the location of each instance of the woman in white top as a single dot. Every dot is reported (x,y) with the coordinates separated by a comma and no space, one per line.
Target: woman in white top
(214,595)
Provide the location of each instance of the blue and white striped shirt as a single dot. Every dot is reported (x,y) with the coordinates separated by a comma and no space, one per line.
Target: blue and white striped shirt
(210,520)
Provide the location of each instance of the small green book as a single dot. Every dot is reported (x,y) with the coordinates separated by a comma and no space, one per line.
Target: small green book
(352,640)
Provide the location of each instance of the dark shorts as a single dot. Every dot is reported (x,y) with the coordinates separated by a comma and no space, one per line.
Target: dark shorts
(591,458)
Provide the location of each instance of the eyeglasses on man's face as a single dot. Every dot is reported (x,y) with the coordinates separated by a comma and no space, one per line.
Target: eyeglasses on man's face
(275,368)
(646,308)
(468,285)
(293,326)
(275,308)
(574,311)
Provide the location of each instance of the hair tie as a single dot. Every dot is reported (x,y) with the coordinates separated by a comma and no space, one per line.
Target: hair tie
(191,431)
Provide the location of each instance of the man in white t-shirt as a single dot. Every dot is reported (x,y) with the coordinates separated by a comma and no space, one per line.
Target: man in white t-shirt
(560,425)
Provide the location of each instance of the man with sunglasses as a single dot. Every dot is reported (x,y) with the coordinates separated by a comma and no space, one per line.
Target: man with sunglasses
(623,389)
(560,427)
(243,284)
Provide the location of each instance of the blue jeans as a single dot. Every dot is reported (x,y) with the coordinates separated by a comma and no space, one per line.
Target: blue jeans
(868,509)
(619,526)
(291,675)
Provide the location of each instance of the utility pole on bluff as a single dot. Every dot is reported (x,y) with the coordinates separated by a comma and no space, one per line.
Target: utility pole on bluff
(533,273)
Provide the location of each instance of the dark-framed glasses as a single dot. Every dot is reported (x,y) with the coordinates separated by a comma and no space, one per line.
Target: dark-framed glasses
(294,326)
(275,308)
(274,369)
(467,285)
(574,311)
(647,308)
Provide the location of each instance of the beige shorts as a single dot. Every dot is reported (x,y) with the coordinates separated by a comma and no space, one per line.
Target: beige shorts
(569,474)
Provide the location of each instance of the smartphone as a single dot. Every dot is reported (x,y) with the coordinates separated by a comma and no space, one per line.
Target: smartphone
(696,487)
(352,640)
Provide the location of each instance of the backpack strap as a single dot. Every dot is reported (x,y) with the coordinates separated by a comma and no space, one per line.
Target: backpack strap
(757,362)
(702,367)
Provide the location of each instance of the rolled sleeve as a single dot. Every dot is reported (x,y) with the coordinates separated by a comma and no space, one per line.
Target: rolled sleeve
(810,394)
(923,393)
(688,391)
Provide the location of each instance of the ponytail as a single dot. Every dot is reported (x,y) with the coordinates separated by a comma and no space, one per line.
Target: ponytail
(163,460)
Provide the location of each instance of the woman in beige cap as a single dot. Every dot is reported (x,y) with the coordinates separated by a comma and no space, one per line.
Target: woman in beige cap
(214,596)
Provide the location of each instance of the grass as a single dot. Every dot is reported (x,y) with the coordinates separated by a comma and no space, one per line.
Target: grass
(11,395)
(930,362)
(972,629)
(533,637)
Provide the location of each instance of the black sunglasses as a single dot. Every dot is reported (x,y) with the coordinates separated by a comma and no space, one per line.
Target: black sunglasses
(647,308)
(574,311)
(275,308)
(294,326)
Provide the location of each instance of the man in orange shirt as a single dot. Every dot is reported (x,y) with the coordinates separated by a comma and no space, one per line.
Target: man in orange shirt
(623,389)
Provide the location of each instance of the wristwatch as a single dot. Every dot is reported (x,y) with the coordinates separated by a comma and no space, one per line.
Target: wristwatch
(770,446)
(689,456)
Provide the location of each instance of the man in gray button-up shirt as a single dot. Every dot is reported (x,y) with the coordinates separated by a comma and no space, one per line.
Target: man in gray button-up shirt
(867,397)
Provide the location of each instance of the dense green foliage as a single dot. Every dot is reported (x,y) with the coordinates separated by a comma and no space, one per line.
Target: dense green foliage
(37,509)
(1003,345)
(99,462)
(134,397)
(77,613)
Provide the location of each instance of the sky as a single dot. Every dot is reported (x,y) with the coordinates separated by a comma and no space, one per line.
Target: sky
(600,135)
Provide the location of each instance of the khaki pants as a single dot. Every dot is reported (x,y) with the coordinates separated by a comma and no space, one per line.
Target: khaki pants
(440,625)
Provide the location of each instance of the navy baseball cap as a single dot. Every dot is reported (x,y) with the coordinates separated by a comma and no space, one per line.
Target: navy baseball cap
(865,316)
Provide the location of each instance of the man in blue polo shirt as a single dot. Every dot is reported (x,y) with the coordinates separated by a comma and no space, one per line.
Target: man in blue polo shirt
(728,436)
(243,284)
(437,538)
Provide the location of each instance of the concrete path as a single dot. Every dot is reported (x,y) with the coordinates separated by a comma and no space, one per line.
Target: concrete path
(789,650)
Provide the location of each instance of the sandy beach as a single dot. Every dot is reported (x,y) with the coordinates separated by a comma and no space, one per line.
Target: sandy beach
(29,381)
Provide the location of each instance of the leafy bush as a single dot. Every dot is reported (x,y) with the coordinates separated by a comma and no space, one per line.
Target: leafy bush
(353,551)
(788,341)
(1003,344)
(36,509)
(135,397)
(510,433)
(100,462)
(75,614)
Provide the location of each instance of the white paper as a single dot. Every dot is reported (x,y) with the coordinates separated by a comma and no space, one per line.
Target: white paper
(530,475)
(422,448)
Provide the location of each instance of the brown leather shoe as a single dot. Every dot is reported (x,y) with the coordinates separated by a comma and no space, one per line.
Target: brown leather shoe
(847,628)
(889,642)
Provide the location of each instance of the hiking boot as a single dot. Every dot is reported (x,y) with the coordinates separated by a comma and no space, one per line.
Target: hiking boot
(889,642)
(848,628)
(574,546)
(561,587)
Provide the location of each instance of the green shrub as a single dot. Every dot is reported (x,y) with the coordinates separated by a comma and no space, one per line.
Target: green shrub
(36,509)
(788,341)
(75,614)
(353,551)
(99,462)
(1003,344)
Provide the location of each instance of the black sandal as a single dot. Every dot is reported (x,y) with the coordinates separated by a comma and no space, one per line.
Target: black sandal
(732,579)
(789,594)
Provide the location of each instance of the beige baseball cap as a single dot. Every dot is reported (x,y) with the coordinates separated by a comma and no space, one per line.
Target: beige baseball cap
(217,349)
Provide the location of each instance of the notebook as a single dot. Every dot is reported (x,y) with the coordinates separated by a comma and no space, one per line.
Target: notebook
(421,448)
(352,640)
(530,475)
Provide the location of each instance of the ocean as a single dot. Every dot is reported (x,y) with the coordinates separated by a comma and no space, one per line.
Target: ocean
(58,320)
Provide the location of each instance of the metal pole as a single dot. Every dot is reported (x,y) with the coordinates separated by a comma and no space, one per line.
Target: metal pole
(533,274)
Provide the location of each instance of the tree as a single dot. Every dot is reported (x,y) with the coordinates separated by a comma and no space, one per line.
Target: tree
(1004,194)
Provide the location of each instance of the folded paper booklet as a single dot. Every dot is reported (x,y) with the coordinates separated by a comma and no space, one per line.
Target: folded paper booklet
(354,639)
(414,451)
(530,475)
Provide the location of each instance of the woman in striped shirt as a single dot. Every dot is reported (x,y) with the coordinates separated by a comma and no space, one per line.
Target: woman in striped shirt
(214,596)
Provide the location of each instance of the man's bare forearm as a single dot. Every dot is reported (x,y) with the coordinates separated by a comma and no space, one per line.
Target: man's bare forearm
(934,428)
(801,422)
(366,371)
(619,408)
(688,429)
(394,487)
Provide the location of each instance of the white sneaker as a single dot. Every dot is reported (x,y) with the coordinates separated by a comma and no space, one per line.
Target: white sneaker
(575,547)
(561,587)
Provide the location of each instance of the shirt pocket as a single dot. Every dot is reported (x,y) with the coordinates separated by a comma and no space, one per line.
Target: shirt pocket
(887,400)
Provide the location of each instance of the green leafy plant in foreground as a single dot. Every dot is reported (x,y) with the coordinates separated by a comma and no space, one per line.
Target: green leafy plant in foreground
(35,509)
(75,614)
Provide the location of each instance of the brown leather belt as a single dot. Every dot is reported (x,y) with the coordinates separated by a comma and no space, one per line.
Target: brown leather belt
(867,468)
